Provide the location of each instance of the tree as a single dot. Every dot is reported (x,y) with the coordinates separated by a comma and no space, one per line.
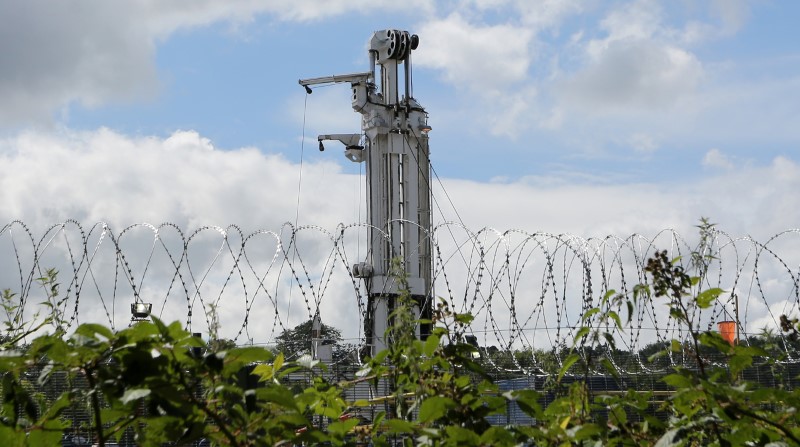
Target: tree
(296,342)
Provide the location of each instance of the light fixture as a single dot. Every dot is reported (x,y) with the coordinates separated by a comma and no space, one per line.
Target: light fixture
(423,126)
(321,146)
(141,310)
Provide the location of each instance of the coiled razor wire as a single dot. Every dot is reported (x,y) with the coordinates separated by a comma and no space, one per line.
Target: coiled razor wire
(528,292)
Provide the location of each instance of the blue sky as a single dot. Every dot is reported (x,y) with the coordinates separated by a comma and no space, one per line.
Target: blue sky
(584,117)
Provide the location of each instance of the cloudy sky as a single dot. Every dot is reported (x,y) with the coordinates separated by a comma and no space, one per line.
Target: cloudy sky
(583,117)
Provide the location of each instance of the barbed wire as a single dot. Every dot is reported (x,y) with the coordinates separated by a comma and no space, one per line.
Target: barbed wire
(528,292)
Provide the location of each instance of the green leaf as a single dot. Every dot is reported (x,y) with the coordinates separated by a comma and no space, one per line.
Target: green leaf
(465,318)
(49,434)
(434,408)
(394,426)
(678,381)
(582,332)
(528,401)
(739,361)
(113,414)
(588,431)
(568,362)
(12,437)
(641,291)
(264,372)
(278,395)
(380,356)
(707,297)
(56,408)
(267,372)
(589,314)
(462,436)
(341,428)
(677,314)
(278,363)
(497,436)
(430,345)
(714,340)
(236,358)
(93,330)
(609,367)
(162,328)
(610,339)
(614,316)
(139,331)
(377,422)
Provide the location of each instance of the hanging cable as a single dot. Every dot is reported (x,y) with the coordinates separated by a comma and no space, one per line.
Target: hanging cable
(430,191)
(297,206)
(302,150)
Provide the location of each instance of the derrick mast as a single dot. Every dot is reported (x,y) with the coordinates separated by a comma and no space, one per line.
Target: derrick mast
(393,144)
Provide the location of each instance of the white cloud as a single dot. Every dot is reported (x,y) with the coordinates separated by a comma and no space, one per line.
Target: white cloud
(647,19)
(631,74)
(635,20)
(95,52)
(520,76)
(538,14)
(771,318)
(172,15)
(184,179)
(643,143)
(642,62)
(642,69)
(747,200)
(732,13)
(53,54)
(105,176)
(493,51)
(637,79)
(477,57)
(489,63)
(548,14)
(716,159)
(785,170)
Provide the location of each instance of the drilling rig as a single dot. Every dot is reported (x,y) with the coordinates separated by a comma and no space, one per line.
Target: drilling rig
(393,143)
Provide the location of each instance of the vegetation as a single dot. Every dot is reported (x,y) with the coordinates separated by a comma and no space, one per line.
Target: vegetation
(296,342)
(155,383)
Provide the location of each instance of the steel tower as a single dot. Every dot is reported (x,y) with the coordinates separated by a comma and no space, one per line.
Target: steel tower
(394,145)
